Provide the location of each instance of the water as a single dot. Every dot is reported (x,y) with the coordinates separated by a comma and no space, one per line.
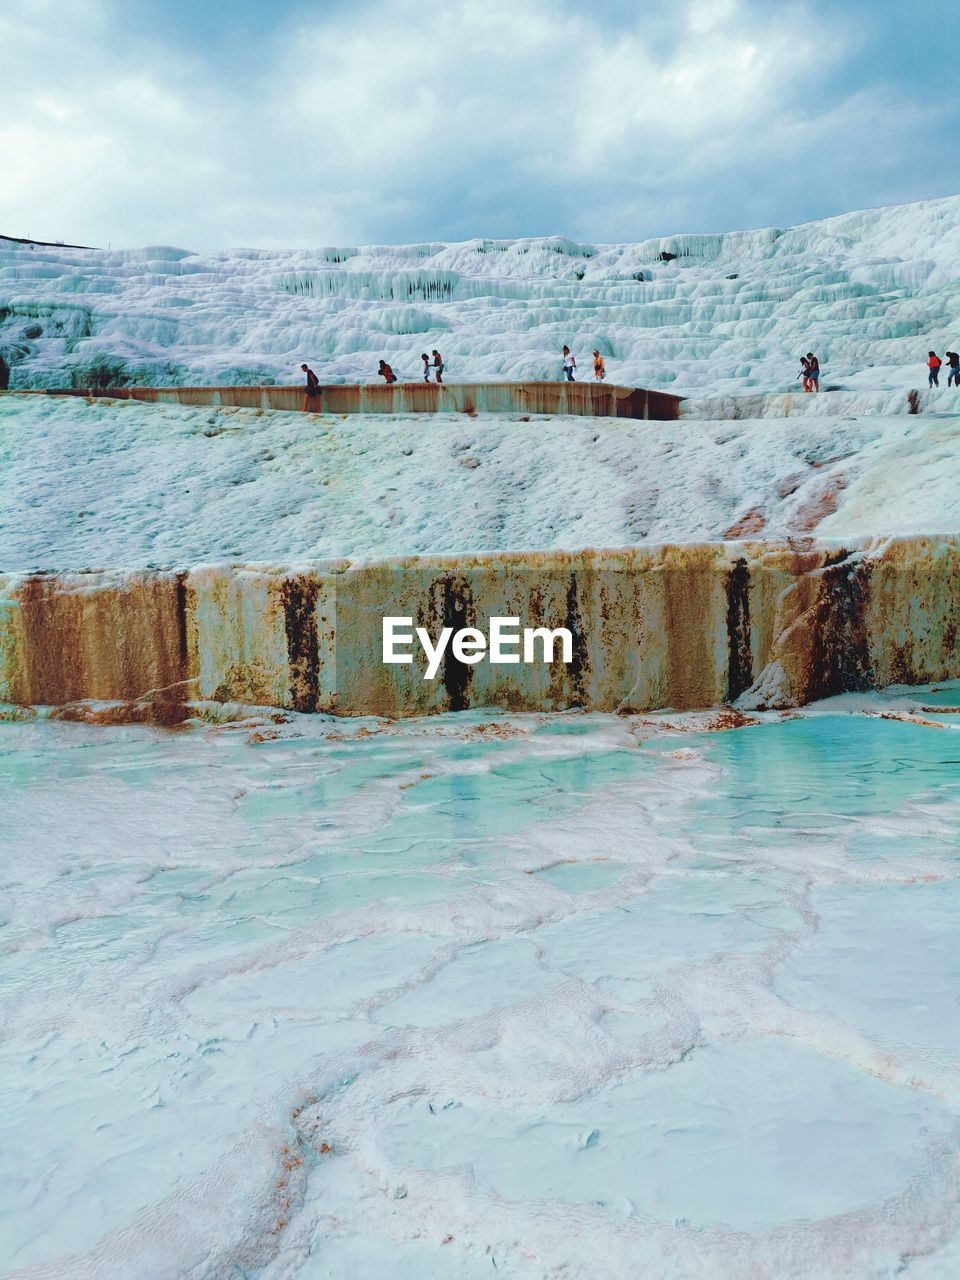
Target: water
(519,996)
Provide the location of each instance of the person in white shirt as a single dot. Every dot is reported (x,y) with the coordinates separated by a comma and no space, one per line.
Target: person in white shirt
(569,363)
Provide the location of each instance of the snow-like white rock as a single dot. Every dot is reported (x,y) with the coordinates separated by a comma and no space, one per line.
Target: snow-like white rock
(127,485)
(870,292)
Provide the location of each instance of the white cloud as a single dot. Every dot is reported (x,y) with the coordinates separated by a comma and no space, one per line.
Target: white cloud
(390,120)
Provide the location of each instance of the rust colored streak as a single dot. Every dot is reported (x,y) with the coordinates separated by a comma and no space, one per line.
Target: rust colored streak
(544,397)
(752,521)
(421,397)
(53,643)
(377,399)
(124,642)
(633,405)
(662,407)
(579,398)
(822,502)
(605,404)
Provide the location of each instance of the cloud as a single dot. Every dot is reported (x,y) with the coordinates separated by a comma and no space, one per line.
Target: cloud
(387,121)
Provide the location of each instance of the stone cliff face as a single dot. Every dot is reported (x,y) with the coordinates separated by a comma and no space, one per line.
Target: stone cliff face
(582,399)
(770,624)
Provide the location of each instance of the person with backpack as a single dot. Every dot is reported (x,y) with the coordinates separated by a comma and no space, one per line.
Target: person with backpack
(386,373)
(569,363)
(953,359)
(426,366)
(813,373)
(933,364)
(599,368)
(311,400)
(437,365)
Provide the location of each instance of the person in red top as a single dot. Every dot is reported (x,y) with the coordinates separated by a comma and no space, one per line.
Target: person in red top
(933,364)
(311,400)
(386,373)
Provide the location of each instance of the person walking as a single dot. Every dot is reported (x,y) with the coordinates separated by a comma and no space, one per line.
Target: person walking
(386,373)
(599,368)
(804,374)
(813,373)
(933,364)
(426,366)
(569,363)
(953,360)
(437,365)
(311,400)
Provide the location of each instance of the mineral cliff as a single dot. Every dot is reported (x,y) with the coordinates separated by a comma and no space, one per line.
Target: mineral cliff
(771,624)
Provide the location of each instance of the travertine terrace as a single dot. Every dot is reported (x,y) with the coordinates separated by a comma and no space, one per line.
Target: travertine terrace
(761,545)
(304,979)
(687,626)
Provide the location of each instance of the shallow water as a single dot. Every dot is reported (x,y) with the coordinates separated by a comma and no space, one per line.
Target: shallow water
(520,996)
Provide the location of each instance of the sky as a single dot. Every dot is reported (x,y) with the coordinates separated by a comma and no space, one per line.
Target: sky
(206,124)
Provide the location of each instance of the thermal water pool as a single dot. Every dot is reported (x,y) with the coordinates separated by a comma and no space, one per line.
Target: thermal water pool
(482,995)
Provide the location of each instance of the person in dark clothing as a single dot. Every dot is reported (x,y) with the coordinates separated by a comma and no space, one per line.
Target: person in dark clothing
(437,365)
(933,364)
(953,360)
(311,401)
(386,373)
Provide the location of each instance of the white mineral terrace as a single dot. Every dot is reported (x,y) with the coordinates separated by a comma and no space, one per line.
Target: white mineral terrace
(244,554)
(129,486)
(869,292)
(666,993)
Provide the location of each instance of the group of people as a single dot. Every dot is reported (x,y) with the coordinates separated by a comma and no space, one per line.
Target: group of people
(935,364)
(311,398)
(435,363)
(810,373)
(570,364)
(810,370)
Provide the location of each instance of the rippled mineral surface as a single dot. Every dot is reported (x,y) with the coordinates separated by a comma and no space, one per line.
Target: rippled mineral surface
(483,996)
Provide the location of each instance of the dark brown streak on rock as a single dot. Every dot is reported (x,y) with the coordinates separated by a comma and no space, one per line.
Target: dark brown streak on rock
(580,666)
(299,596)
(457,613)
(839,659)
(182,625)
(739,656)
